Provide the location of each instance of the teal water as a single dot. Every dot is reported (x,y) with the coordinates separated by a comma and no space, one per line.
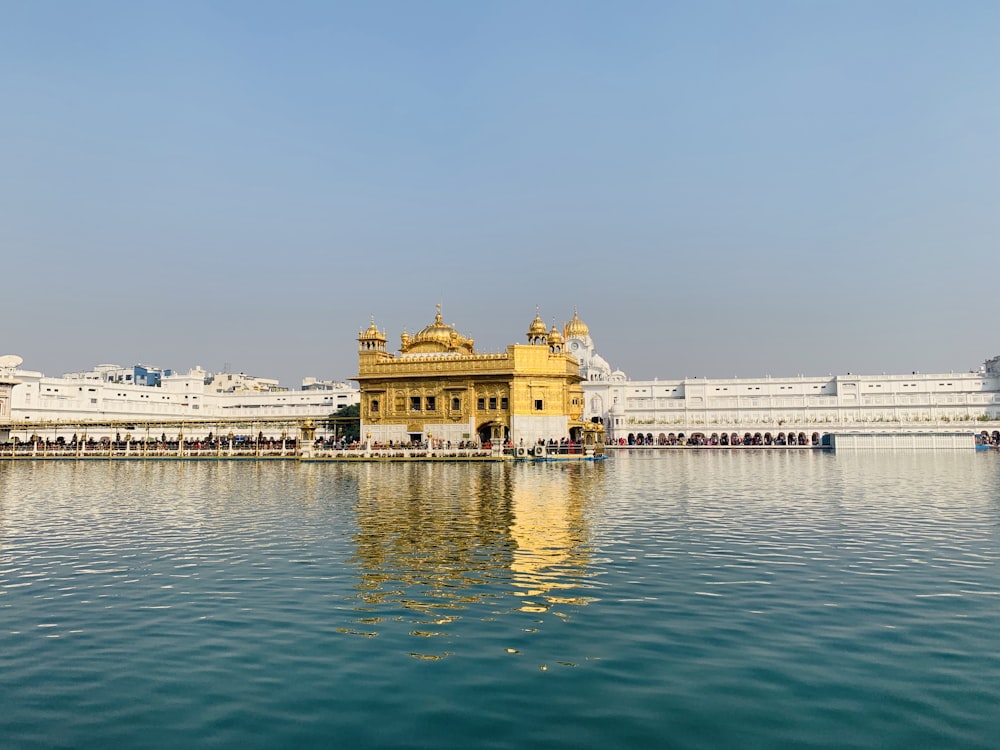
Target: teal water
(696,599)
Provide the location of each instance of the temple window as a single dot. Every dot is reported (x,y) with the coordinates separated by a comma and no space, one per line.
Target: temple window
(375,405)
(481,404)
(538,404)
(456,403)
(503,403)
(493,402)
(431,403)
(414,403)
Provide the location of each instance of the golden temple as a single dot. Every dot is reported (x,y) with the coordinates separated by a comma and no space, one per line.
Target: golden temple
(439,389)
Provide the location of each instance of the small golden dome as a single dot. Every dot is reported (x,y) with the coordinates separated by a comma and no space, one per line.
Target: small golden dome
(555,337)
(576,327)
(537,327)
(372,332)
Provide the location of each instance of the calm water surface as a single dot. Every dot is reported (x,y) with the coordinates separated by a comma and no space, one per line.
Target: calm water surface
(692,599)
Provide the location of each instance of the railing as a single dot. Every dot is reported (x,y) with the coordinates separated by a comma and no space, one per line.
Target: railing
(135,449)
(715,446)
(406,453)
(288,451)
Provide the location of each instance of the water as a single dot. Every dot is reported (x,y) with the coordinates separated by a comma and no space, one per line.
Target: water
(694,599)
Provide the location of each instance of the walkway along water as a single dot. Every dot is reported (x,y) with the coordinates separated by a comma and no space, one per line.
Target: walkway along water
(298,441)
(287,450)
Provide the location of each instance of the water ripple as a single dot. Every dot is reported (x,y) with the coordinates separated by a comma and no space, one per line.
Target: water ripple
(715,599)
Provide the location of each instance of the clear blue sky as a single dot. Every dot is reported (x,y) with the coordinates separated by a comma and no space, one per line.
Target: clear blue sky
(720,188)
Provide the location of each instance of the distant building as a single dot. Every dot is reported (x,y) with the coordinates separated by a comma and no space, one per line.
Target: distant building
(238,382)
(115,393)
(134,375)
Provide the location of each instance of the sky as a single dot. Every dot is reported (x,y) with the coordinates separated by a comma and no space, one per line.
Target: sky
(719,189)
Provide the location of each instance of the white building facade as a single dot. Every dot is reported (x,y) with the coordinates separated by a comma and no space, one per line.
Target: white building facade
(8,379)
(104,394)
(808,404)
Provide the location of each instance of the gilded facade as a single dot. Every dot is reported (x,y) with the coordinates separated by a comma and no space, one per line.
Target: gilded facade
(439,388)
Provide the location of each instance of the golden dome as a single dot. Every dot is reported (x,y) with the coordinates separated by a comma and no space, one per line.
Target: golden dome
(372,332)
(438,337)
(576,328)
(372,340)
(436,331)
(537,327)
(555,337)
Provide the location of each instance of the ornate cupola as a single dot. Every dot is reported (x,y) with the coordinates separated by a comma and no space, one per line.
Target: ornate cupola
(555,340)
(372,340)
(537,332)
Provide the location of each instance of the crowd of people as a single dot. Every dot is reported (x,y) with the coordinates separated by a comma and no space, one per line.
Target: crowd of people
(119,443)
(991,439)
(726,439)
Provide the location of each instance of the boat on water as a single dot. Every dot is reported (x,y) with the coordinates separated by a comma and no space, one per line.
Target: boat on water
(987,441)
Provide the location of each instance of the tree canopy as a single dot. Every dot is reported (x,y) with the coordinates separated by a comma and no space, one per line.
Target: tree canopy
(345,423)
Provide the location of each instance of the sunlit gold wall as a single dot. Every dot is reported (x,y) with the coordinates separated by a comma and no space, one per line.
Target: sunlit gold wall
(530,390)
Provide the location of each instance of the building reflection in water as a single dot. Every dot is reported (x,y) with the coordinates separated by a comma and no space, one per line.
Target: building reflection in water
(550,535)
(437,540)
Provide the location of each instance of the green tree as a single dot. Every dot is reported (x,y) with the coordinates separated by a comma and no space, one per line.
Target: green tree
(345,423)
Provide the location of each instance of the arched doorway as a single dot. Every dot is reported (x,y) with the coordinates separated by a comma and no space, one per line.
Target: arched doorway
(489,432)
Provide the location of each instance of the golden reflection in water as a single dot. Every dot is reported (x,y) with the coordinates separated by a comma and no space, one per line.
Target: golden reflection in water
(434,539)
(549,531)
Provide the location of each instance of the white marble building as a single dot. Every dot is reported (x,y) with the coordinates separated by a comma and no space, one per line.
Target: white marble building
(935,401)
(104,394)
(8,379)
